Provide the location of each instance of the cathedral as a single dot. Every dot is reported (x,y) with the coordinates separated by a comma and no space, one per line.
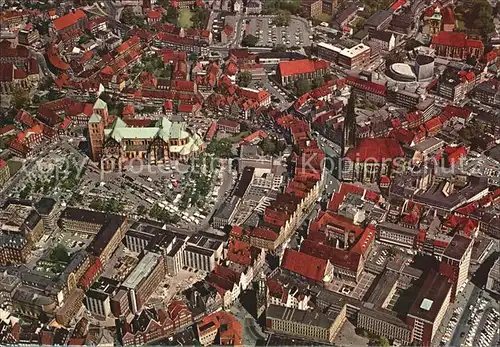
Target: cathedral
(115,144)
(366,160)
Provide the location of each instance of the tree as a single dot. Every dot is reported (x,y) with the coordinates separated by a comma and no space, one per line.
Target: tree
(411,44)
(220,148)
(59,253)
(244,127)
(249,41)
(359,24)
(129,17)
(327,77)
(84,39)
(302,86)
(20,97)
(282,18)
(317,82)
(271,146)
(383,341)
(200,17)
(279,48)
(172,15)
(244,78)
(479,16)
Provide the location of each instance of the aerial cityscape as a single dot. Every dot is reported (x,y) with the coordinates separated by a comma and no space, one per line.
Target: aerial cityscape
(250,172)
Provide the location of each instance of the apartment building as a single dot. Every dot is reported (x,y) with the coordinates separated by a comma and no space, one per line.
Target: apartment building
(310,325)
(383,322)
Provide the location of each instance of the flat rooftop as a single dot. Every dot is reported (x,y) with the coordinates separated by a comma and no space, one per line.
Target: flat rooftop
(330,47)
(431,297)
(298,316)
(142,270)
(354,51)
(457,247)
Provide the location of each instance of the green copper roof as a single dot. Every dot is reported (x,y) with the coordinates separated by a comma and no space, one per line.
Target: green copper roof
(119,123)
(100,104)
(164,129)
(95,118)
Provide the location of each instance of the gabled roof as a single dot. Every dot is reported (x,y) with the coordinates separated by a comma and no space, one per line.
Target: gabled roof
(70,19)
(304,264)
(301,66)
(375,149)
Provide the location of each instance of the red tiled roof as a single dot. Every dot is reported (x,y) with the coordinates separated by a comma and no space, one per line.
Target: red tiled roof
(187,86)
(454,154)
(3,163)
(228,123)
(338,257)
(264,233)
(467,75)
(228,30)
(376,149)
(302,66)
(433,124)
(304,264)
(398,4)
(366,86)
(455,39)
(429,11)
(91,274)
(402,135)
(69,19)
(6,129)
(208,137)
(253,136)
(448,17)
(385,180)
(55,59)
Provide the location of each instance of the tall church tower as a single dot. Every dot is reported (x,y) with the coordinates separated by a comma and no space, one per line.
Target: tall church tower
(349,135)
(261,295)
(96,136)
(101,108)
(348,141)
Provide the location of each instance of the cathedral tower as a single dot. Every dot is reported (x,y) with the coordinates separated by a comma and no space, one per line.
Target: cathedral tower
(349,135)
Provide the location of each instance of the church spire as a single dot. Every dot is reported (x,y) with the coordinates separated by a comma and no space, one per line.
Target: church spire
(349,139)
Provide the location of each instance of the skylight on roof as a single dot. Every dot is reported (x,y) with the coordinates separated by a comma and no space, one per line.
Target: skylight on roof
(426,304)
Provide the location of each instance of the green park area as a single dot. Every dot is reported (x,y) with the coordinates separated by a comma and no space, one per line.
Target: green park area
(185,18)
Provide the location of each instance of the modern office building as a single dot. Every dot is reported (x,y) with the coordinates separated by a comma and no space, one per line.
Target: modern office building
(98,297)
(455,262)
(144,279)
(356,57)
(429,308)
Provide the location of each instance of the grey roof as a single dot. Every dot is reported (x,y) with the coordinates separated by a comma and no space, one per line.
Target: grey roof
(383,288)
(381,35)
(457,247)
(45,206)
(227,208)
(398,228)
(378,18)
(387,316)
(312,318)
(200,250)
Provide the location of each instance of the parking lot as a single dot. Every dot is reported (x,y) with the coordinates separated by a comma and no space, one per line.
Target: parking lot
(483,324)
(296,34)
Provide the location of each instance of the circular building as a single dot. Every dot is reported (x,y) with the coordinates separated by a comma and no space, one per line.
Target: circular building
(424,67)
(402,72)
